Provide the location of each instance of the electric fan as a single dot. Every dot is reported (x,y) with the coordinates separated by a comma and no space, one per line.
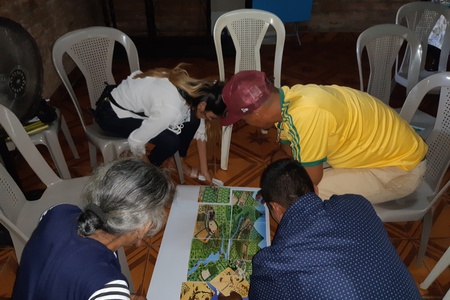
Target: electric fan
(20,70)
(20,79)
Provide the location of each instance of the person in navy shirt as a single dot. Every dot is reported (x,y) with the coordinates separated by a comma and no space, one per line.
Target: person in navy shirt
(324,249)
(71,255)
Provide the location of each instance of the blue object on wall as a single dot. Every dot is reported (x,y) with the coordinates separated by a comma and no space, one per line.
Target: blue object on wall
(286,10)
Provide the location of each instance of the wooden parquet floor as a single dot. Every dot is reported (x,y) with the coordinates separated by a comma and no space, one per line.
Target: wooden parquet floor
(322,59)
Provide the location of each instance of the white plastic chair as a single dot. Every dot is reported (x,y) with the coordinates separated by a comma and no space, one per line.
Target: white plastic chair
(92,51)
(383,43)
(440,266)
(20,216)
(247,28)
(49,138)
(421,17)
(420,204)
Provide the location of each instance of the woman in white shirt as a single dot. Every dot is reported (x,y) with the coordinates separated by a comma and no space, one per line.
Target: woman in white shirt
(162,107)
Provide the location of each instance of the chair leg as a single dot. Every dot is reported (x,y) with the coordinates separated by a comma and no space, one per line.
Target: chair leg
(427,222)
(125,268)
(440,266)
(68,136)
(109,153)
(225,148)
(93,155)
(447,296)
(179,165)
(52,143)
(297,34)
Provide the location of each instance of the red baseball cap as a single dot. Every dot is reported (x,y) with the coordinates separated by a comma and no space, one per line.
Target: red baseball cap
(244,93)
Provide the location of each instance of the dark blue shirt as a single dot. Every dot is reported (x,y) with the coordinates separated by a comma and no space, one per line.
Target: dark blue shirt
(57,263)
(334,249)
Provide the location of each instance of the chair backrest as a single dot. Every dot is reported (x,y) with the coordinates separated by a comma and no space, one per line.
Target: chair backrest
(11,202)
(438,156)
(421,18)
(383,44)
(21,139)
(92,51)
(12,198)
(248,28)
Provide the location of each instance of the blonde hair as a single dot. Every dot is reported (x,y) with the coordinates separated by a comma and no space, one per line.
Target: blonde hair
(180,78)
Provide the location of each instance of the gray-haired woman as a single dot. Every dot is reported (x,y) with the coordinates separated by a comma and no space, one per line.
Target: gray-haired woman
(71,253)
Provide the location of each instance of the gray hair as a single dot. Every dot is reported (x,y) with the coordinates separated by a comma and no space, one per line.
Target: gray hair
(124,195)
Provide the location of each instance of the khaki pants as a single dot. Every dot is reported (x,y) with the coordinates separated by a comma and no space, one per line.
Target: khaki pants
(377,184)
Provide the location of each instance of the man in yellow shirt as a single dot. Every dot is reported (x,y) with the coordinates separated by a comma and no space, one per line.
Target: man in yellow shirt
(370,149)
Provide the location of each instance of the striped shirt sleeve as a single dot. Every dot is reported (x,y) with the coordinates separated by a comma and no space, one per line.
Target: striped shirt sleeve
(114,290)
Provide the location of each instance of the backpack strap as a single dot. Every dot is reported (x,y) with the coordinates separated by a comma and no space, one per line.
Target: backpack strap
(109,97)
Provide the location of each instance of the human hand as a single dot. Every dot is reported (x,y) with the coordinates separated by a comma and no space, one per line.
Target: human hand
(206,176)
(259,197)
(137,297)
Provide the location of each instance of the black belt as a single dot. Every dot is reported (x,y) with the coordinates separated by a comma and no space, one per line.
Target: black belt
(108,97)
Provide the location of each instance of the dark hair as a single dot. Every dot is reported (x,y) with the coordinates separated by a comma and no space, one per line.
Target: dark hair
(212,95)
(214,100)
(124,195)
(283,181)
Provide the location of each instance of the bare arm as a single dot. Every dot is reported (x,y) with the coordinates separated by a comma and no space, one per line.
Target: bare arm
(315,173)
(145,158)
(201,147)
(284,152)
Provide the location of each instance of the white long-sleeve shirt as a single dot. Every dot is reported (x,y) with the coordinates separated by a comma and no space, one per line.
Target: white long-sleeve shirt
(158,99)
(200,134)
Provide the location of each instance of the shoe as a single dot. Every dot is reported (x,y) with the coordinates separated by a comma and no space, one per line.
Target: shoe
(192,172)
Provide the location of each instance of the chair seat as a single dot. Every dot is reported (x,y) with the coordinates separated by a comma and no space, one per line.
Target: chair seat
(64,191)
(409,208)
(47,135)
(422,122)
(103,141)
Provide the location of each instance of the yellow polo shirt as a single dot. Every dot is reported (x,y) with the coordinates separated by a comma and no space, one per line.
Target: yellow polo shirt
(346,128)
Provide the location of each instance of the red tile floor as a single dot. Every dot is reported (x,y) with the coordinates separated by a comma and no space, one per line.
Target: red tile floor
(323,59)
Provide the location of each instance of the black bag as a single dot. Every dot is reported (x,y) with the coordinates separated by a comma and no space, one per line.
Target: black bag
(46,113)
(105,96)
(103,101)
